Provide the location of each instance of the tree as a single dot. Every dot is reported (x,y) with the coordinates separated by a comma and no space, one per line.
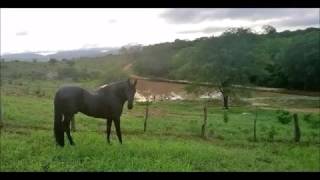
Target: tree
(131,52)
(301,62)
(268,29)
(269,54)
(154,60)
(223,61)
(53,61)
(285,59)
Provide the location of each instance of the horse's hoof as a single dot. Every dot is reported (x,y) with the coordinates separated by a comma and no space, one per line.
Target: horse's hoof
(60,145)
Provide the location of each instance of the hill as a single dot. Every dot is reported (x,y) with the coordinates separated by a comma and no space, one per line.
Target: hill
(70,54)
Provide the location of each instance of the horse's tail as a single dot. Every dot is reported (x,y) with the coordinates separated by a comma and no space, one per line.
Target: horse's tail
(58,124)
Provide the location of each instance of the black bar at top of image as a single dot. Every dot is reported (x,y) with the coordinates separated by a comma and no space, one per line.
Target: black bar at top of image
(160,4)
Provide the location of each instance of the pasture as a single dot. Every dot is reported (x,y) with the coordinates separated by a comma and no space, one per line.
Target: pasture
(172,141)
(210,96)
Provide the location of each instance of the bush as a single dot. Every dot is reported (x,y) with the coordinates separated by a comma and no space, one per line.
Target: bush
(314,122)
(307,118)
(39,92)
(76,74)
(52,61)
(272,132)
(114,75)
(84,73)
(68,72)
(39,75)
(284,117)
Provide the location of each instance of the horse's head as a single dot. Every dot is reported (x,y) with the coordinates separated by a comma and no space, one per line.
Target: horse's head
(130,92)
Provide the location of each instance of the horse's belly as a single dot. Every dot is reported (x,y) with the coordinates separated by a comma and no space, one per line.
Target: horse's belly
(97,112)
(96,115)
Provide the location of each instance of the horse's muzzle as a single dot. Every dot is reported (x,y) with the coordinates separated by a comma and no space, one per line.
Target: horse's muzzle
(130,106)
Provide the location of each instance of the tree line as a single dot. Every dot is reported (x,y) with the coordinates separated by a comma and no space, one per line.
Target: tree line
(288,59)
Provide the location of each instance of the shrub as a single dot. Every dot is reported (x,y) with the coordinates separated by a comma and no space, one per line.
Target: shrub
(272,132)
(68,72)
(307,118)
(39,75)
(39,92)
(314,122)
(52,61)
(114,75)
(284,117)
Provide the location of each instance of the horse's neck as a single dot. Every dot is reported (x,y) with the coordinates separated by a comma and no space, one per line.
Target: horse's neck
(118,93)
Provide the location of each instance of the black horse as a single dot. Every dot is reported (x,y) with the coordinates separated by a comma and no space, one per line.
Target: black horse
(107,102)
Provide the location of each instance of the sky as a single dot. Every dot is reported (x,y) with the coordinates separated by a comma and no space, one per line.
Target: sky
(46,30)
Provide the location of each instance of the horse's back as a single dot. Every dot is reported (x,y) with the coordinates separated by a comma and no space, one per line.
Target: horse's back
(69,91)
(69,99)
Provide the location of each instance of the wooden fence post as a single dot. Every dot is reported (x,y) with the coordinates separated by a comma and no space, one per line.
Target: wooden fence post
(203,128)
(297,133)
(254,126)
(1,120)
(146,116)
(225,116)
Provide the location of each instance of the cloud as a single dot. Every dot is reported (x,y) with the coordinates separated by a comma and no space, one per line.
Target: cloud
(111,21)
(22,33)
(283,16)
(207,30)
(88,46)
(306,21)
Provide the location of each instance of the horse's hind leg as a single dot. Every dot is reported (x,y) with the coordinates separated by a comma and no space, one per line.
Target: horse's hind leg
(67,121)
(109,123)
(117,124)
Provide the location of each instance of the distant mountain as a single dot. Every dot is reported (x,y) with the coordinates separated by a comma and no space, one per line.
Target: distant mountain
(23,56)
(71,54)
(82,53)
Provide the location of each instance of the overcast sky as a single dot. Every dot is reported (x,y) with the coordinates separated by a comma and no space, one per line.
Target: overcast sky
(39,30)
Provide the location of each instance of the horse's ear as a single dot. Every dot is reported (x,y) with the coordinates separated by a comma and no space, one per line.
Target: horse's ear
(130,82)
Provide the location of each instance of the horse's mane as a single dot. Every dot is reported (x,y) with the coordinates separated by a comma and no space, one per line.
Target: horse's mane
(108,86)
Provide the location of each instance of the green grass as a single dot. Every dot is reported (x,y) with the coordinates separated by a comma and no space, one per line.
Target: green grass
(172,141)
(152,153)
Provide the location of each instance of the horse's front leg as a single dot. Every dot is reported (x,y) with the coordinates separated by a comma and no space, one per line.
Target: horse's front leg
(67,120)
(109,123)
(117,124)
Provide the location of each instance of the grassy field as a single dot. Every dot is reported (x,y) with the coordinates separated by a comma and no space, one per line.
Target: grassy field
(172,141)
